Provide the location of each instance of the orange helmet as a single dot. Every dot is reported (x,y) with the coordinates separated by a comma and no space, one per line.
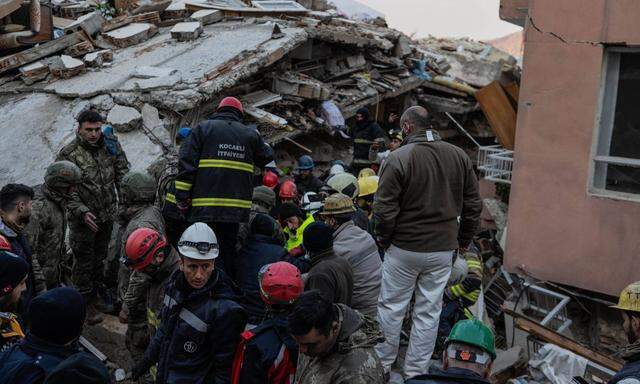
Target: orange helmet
(288,190)
(142,245)
(270,180)
(231,102)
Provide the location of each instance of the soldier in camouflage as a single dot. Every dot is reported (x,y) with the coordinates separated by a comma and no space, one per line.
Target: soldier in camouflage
(92,206)
(336,343)
(152,260)
(48,225)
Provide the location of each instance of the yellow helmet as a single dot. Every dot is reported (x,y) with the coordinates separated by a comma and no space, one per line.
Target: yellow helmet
(366,172)
(368,185)
(629,298)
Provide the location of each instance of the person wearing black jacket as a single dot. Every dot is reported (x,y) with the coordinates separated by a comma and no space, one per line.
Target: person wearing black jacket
(201,320)
(364,133)
(215,175)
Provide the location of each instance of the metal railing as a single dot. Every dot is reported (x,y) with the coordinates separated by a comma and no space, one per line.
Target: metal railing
(495,163)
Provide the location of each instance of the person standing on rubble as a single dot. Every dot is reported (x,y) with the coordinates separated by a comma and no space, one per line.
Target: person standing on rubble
(425,186)
(47,228)
(215,175)
(92,207)
(468,356)
(364,133)
(629,305)
(200,321)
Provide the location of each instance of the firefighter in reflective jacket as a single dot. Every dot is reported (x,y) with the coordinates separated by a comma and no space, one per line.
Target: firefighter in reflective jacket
(267,354)
(215,174)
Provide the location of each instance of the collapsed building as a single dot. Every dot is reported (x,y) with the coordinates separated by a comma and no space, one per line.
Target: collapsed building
(165,65)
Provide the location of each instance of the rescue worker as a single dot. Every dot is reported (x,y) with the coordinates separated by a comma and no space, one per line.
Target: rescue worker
(359,249)
(335,343)
(200,321)
(15,213)
(364,133)
(330,274)
(378,157)
(79,368)
(629,306)
(347,184)
(152,260)
(263,201)
(305,180)
(55,319)
(288,192)
(137,210)
(467,358)
(13,281)
(264,246)
(461,293)
(215,175)
(294,222)
(267,354)
(92,207)
(367,187)
(47,228)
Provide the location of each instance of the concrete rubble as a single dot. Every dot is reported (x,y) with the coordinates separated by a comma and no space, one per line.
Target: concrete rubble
(124,119)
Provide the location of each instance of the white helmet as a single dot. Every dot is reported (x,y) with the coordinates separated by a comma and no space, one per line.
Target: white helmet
(199,242)
(311,202)
(271,165)
(335,169)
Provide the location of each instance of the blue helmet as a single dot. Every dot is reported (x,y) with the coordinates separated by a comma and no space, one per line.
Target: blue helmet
(305,163)
(184,132)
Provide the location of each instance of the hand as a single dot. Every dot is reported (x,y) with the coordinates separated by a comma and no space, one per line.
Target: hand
(90,220)
(123,317)
(375,146)
(393,118)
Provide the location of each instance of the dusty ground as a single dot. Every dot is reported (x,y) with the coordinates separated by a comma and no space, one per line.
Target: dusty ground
(108,337)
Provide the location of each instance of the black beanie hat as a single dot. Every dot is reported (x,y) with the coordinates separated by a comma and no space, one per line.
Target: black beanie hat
(79,368)
(13,269)
(317,237)
(57,315)
(263,225)
(364,111)
(289,209)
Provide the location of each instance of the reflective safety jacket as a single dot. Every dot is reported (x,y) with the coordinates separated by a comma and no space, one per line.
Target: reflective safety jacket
(294,239)
(215,170)
(467,290)
(10,330)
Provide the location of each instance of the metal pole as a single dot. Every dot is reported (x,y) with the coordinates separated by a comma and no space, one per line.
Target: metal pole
(463,130)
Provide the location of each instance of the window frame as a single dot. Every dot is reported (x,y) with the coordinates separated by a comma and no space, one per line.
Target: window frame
(603,131)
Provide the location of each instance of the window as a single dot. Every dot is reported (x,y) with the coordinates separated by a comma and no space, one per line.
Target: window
(616,164)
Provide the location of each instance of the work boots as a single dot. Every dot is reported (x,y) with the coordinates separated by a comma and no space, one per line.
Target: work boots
(93,314)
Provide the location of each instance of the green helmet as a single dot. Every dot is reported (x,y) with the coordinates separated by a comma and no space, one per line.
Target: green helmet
(473,332)
(62,174)
(138,187)
(345,183)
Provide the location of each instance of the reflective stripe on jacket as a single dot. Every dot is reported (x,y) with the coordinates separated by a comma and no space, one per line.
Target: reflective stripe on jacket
(294,240)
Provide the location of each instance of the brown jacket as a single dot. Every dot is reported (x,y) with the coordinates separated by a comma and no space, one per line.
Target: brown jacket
(424,187)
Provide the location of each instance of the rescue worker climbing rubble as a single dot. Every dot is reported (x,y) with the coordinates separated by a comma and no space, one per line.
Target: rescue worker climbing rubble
(629,306)
(215,174)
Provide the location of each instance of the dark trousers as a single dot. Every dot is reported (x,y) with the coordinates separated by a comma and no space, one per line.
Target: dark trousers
(174,229)
(227,235)
(89,254)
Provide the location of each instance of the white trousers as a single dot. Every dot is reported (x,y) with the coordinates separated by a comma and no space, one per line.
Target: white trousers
(404,272)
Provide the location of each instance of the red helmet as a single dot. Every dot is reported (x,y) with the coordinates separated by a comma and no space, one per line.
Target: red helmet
(231,102)
(270,180)
(142,245)
(280,283)
(288,190)
(4,244)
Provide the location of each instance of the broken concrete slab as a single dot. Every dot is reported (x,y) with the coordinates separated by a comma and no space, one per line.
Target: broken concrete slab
(124,119)
(186,31)
(34,72)
(79,49)
(155,127)
(91,23)
(131,34)
(98,58)
(65,66)
(207,16)
(148,72)
(102,102)
(402,47)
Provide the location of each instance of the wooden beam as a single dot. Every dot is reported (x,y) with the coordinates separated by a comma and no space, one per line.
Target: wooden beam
(499,112)
(298,144)
(7,7)
(32,54)
(551,336)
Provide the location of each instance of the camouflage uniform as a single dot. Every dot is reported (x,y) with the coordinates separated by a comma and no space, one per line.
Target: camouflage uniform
(102,170)
(353,360)
(47,228)
(144,298)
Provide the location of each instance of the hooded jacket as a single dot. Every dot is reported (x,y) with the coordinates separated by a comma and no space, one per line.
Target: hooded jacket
(631,369)
(215,171)
(352,359)
(198,333)
(425,185)
(359,248)
(450,376)
(364,133)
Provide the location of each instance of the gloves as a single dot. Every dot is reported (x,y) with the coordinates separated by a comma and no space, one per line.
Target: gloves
(140,369)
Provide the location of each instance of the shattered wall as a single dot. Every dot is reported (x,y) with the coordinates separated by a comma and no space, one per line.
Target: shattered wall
(557,231)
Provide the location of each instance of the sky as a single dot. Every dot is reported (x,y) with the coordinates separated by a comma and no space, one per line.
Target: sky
(477,19)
